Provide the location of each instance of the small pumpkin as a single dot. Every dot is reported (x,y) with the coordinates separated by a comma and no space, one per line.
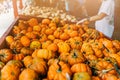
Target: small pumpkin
(28,74)
(51,37)
(75,57)
(46,44)
(35,45)
(19,56)
(31,35)
(16,30)
(104,65)
(10,72)
(63,47)
(39,66)
(82,76)
(64,57)
(53,47)
(42,37)
(33,22)
(49,31)
(25,41)
(108,76)
(75,43)
(26,51)
(116,44)
(16,46)
(59,71)
(64,36)
(86,49)
(46,21)
(57,33)
(107,43)
(37,28)
(73,33)
(81,67)
(27,61)
(45,54)
(9,39)
(6,55)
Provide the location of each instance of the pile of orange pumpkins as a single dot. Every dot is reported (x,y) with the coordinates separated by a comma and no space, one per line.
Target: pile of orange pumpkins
(57,50)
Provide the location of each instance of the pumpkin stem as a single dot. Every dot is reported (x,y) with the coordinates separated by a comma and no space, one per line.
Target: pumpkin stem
(76,42)
(59,69)
(106,48)
(74,55)
(14,50)
(117,69)
(105,71)
(89,36)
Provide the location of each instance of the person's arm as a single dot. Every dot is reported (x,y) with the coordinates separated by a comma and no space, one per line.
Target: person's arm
(93,18)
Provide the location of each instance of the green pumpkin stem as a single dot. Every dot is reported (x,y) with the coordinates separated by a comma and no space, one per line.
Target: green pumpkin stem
(59,69)
(74,55)
(117,69)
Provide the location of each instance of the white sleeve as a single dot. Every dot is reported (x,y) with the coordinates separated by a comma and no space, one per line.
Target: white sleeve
(107,7)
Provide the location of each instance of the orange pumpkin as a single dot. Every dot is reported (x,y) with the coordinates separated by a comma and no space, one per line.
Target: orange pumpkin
(59,71)
(116,44)
(75,57)
(107,43)
(49,31)
(25,41)
(10,72)
(108,76)
(9,39)
(53,47)
(73,33)
(37,28)
(45,54)
(51,37)
(16,30)
(6,55)
(64,36)
(116,57)
(64,57)
(26,51)
(22,24)
(46,21)
(104,65)
(46,44)
(75,43)
(27,61)
(33,22)
(81,67)
(35,44)
(42,37)
(31,35)
(39,66)
(63,47)
(86,49)
(18,56)
(58,32)
(28,74)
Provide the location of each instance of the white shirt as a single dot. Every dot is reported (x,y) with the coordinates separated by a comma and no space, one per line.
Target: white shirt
(106,25)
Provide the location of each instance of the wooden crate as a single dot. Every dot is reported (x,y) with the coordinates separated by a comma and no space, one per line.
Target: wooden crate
(15,22)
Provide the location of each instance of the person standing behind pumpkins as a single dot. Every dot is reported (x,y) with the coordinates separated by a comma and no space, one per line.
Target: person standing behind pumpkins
(104,20)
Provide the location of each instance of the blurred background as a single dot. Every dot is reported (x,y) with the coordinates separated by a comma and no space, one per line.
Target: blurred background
(51,8)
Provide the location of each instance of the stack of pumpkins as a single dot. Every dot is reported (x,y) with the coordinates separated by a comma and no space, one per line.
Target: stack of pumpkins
(56,50)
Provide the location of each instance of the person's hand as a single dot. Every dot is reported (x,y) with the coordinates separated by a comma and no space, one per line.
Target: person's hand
(81,21)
